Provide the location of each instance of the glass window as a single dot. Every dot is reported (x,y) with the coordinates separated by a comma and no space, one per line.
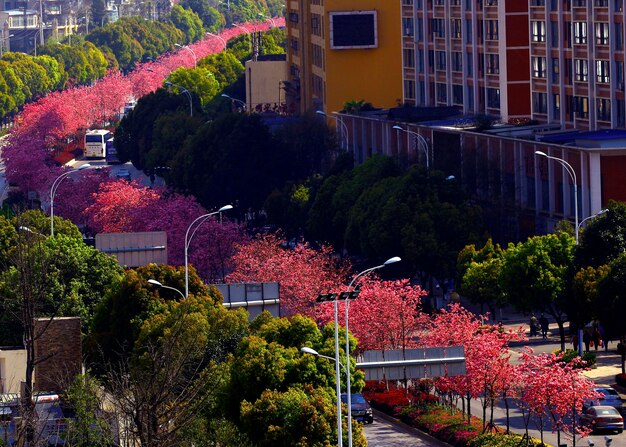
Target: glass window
(580,32)
(581,70)
(539,67)
(538,28)
(602,72)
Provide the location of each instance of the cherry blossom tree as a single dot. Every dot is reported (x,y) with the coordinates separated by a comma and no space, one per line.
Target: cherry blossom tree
(303,272)
(553,391)
(488,369)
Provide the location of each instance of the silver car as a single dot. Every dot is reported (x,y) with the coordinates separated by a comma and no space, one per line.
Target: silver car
(608,397)
(602,417)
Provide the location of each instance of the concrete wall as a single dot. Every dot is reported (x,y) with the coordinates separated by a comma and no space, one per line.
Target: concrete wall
(264,83)
(12,369)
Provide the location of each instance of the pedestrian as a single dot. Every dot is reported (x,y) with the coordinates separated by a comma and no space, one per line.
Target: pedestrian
(605,337)
(597,338)
(545,324)
(575,342)
(586,340)
(533,325)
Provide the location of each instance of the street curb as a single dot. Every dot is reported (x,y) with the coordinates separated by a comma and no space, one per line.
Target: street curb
(418,433)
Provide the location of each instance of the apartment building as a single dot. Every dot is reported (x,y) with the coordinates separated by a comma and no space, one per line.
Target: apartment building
(577,59)
(471,54)
(343,50)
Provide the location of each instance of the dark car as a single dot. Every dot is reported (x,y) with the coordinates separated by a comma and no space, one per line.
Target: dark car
(602,417)
(361,410)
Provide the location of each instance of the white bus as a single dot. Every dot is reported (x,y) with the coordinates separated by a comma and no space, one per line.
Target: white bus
(95,143)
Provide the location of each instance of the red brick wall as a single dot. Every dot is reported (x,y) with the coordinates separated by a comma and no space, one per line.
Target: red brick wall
(61,347)
(613,174)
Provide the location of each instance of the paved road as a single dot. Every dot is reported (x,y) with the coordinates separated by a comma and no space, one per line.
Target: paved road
(385,432)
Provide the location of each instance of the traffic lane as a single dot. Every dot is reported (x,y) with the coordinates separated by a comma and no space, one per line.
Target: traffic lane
(386,431)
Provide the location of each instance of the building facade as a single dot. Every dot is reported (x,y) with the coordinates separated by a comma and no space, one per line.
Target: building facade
(342,50)
(577,59)
(471,54)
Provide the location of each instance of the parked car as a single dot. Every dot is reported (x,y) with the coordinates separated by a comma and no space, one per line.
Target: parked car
(124,174)
(608,397)
(361,410)
(602,417)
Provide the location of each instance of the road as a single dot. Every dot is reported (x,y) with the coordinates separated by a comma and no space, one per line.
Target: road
(385,432)
(135,174)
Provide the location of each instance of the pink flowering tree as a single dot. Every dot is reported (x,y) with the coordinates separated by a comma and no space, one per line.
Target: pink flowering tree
(487,360)
(386,315)
(303,273)
(553,392)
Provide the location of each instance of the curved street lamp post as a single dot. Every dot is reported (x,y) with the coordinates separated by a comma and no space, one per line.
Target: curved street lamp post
(186,92)
(218,37)
(423,144)
(53,191)
(193,54)
(338,122)
(158,284)
(238,101)
(188,239)
(348,392)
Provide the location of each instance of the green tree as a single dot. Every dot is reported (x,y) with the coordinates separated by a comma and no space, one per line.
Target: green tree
(535,275)
(53,70)
(611,301)
(188,22)
(37,221)
(478,272)
(604,239)
(225,67)
(199,81)
(583,305)
(14,83)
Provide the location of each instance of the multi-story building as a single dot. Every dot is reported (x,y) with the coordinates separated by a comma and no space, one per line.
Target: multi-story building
(343,50)
(577,59)
(471,54)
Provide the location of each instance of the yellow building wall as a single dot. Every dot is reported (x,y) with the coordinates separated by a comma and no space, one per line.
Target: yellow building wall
(12,370)
(373,75)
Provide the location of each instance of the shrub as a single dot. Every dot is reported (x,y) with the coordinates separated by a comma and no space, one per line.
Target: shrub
(502,440)
(588,357)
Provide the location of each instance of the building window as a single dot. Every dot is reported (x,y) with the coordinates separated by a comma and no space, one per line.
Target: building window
(468,30)
(538,30)
(555,70)
(540,102)
(581,70)
(316,25)
(602,3)
(456,28)
(580,33)
(493,98)
(409,89)
(470,66)
(581,106)
(603,109)
(556,106)
(457,61)
(407,26)
(539,67)
(442,93)
(537,2)
(294,45)
(409,57)
(457,95)
(619,38)
(440,61)
(318,87)
(492,30)
(438,27)
(602,33)
(493,64)
(554,34)
(317,56)
(602,72)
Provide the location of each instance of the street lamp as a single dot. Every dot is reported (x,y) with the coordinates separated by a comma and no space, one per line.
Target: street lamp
(311,351)
(599,213)
(53,191)
(269,18)
(218,37)
(186,47)
(188,238)
(419,139)
(570,170)
(344,128)
(158,284)
(348,392)
(183,90)
(239,101)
